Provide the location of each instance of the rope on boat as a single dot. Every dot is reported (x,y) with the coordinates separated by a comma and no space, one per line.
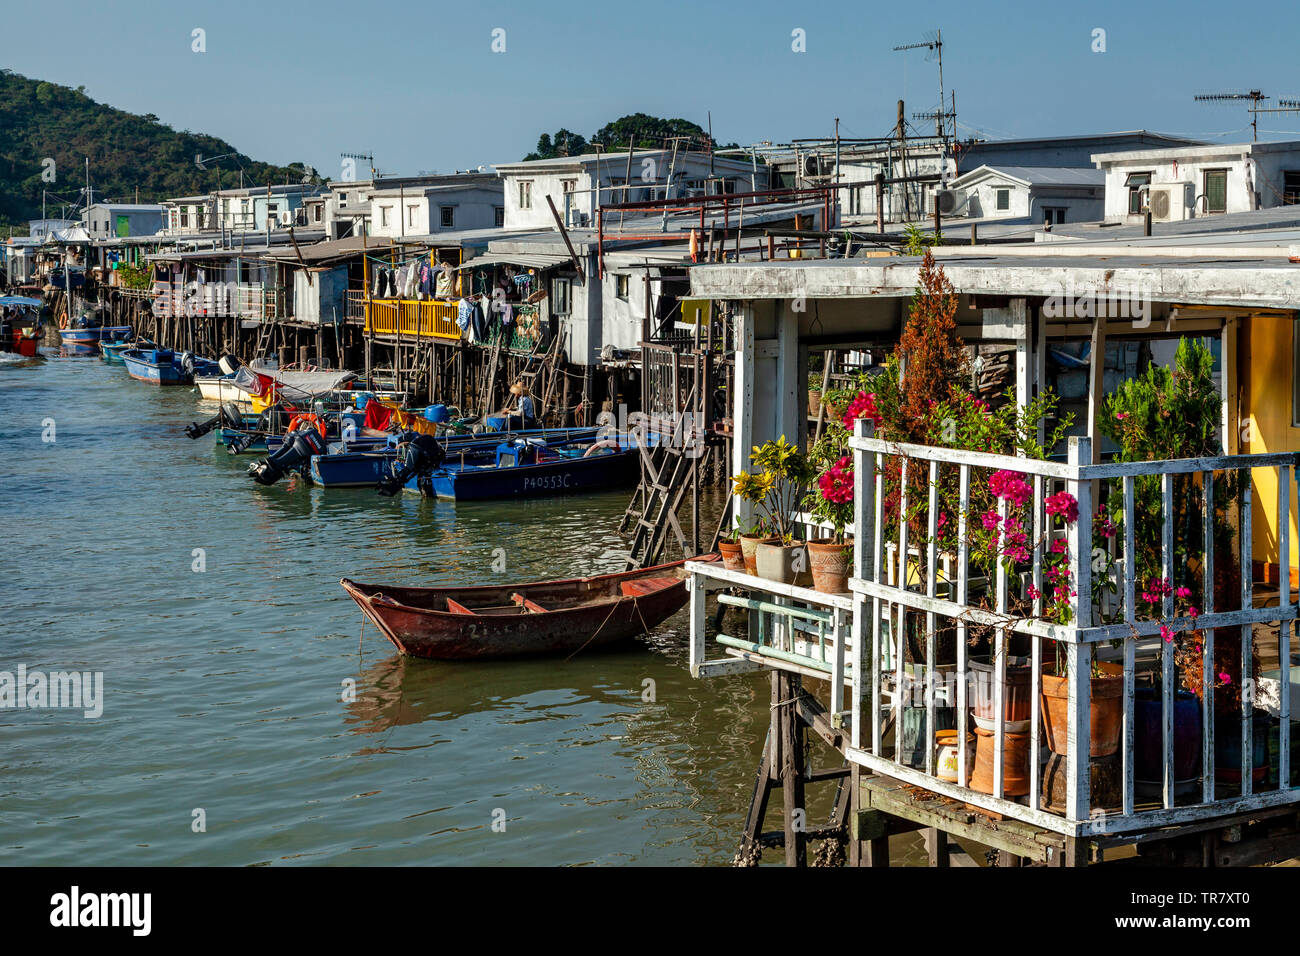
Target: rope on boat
(635,606)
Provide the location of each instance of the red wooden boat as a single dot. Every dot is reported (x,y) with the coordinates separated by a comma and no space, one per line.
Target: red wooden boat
(512,620)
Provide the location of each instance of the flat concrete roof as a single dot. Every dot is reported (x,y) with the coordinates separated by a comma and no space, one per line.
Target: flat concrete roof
(1272,283)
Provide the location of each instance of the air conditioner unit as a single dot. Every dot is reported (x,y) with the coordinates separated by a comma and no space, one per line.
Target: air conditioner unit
(1167,201)
(951,201)
(286,217)
(814,165)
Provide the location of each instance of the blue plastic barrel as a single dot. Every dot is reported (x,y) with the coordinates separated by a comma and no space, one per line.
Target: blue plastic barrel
(496,424)
(436,413)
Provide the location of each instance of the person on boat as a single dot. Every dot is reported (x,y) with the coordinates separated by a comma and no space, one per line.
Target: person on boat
(523,414)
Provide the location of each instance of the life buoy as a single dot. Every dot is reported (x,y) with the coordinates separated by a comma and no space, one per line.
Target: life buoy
(308,419)
(63,319)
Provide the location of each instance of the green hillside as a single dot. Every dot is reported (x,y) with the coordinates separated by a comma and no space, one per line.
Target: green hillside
(127,152)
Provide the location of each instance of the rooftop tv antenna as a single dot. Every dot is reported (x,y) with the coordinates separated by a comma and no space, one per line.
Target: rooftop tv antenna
(1255,96)
(368,157)
(933,45)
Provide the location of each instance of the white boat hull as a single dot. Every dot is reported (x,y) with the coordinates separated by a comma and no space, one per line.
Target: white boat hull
(221,390)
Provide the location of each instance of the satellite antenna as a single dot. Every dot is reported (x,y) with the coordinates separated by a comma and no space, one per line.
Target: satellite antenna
(1255,96)
(933,45)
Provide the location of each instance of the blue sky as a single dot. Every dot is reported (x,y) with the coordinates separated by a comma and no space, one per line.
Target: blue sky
(418,84)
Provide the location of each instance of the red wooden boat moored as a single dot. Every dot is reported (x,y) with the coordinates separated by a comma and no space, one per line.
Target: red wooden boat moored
(511,620)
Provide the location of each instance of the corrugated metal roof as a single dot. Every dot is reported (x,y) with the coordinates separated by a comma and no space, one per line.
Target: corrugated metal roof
(533,260)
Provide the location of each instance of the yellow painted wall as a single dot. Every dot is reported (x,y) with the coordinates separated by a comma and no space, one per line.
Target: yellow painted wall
(1267,369)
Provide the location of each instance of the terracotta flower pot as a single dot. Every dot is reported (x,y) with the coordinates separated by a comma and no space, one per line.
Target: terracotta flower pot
(1015,764)
(732,558)
(786,563)
(831,565)
(748,545)
(1107,711)
(814,402)
(1015,697)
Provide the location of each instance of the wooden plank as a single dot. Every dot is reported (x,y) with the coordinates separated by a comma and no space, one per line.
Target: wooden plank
(1130,645)
(1284,478)
(1167,649)
(931,583)
(963,583)
(1078,777)
(1207,651)
(1247,632)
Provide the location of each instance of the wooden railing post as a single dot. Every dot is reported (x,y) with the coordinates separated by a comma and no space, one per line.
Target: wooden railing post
(1079,737)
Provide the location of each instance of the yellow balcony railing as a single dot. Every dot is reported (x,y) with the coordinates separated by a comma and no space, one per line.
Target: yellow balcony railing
(432,318)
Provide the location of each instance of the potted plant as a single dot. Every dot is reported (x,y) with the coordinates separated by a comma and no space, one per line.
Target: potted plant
(1107,710)
(733,558)
(1168,413)
(776,492)
(831,502)
(814,397)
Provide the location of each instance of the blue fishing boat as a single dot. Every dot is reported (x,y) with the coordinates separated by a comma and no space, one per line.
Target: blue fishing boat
(529,468)
(162,366)
(83,333)
(361,462)
(111,352)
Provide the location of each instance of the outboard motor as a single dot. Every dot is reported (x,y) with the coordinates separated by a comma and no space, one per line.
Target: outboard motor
(228,364)
(297,450)
(416,455)
(187,362)
(228,417)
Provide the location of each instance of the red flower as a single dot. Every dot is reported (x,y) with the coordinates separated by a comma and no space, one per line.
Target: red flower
(864,406)
(836,482)
(1064,504)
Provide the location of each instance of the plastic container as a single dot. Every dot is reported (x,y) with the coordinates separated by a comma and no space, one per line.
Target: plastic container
(362,399)
(436,413)
(495,423)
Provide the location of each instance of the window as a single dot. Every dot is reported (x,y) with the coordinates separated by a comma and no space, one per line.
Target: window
(621,286)
(447,216)
(569,185)
(185,217)
(1003,199)
(526,194)
(316,211)
(199,217)
(499,216)
(1215,186)
(410,214)
(1136,184)
(383,214)
(1290,187)
(560,289)
(343,200)
(1053,214)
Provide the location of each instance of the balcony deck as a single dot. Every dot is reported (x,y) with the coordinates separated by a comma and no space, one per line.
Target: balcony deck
(852,642)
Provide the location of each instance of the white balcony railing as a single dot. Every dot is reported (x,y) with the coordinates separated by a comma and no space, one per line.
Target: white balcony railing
(860,641)
(884,607)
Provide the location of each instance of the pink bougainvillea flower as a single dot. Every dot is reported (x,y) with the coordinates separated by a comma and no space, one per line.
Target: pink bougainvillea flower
(1121,415)
(1225,677)
(1034,593)
(1166,632)
(990,520)
(863,406)
(836,482)
(1010,485)
(1184,592)
(1192,613)
(1064,504)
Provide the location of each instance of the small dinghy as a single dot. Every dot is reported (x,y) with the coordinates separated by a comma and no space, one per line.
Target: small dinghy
(516,620)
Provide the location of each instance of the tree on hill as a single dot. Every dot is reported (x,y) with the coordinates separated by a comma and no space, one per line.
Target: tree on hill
(647,132)
(42,121)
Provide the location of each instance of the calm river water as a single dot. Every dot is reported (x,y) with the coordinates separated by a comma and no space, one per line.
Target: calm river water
(223,687)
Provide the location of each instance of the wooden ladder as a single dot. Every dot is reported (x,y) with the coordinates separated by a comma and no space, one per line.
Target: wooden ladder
(666,475)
